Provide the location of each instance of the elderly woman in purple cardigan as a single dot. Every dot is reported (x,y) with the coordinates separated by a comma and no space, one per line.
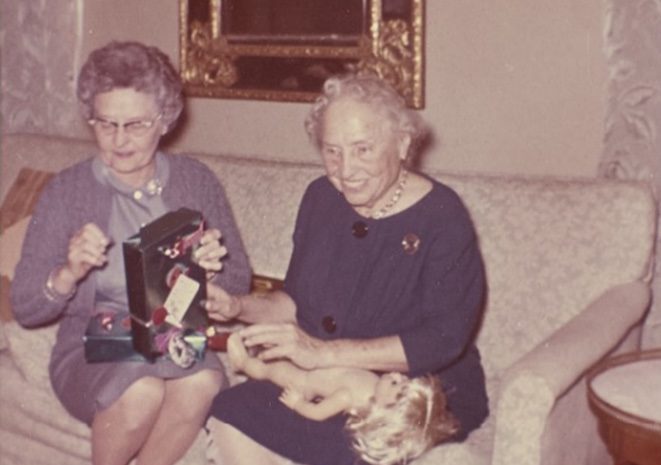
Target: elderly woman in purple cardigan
(72,260)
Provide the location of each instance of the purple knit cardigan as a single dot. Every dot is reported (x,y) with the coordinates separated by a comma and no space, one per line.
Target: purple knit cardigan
(73,198)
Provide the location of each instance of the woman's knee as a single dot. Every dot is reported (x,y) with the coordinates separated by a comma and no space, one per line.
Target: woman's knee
(140,403)
(209,383)
(205,384)
(192,396)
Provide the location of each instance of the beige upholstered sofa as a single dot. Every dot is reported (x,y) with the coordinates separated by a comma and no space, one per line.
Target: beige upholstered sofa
(567,263)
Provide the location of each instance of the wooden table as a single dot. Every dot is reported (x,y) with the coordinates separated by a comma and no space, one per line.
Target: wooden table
(624,392)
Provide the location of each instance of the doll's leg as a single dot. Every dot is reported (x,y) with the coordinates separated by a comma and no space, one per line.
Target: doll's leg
(185,408)
(119,431)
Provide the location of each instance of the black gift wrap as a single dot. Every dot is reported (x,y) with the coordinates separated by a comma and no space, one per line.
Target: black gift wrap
(152,259)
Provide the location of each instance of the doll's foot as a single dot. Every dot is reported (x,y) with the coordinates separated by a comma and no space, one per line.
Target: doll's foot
(236,352)
(291,397)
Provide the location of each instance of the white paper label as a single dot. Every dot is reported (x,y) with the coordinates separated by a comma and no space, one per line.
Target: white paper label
(179,299)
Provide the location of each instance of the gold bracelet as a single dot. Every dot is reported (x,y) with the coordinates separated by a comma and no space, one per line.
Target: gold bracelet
(52,294)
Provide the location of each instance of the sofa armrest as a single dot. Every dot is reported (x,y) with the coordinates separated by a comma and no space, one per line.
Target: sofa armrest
(532,385)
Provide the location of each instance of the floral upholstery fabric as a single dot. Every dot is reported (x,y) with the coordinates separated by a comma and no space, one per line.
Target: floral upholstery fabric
(264,196)
(550,248)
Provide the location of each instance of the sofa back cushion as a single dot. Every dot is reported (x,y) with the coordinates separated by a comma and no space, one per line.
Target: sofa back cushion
(264,196)
(38,152)
(551,246)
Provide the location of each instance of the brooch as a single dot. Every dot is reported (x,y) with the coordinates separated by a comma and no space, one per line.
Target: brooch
(411,243)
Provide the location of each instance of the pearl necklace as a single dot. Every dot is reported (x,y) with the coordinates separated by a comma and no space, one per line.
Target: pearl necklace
(395,197)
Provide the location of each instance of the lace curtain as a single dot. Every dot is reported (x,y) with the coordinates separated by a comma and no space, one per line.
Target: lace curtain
(40,43)
(632,149)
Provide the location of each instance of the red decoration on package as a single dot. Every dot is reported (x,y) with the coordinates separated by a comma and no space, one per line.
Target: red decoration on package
(181,246)
(176,271)
(107,320)
(217,340)
(159,315)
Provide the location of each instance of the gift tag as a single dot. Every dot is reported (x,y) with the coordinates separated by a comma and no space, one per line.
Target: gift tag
(179,299)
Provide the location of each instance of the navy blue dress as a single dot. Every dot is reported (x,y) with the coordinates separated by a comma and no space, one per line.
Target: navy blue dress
(417,274)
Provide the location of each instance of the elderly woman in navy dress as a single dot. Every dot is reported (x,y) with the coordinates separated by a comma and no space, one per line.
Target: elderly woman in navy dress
(385,275)
(72,259)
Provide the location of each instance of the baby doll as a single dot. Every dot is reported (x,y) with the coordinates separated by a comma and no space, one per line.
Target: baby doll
(392,418)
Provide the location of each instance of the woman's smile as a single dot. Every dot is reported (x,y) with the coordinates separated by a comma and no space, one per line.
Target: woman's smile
(355,185)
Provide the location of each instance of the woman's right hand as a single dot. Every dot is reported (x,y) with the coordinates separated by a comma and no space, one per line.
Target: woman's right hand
(87,250)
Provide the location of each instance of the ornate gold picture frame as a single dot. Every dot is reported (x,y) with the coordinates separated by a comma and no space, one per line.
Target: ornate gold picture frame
(257,49)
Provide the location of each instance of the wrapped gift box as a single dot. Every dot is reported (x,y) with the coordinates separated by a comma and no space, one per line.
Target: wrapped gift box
(109,338)
(165,286)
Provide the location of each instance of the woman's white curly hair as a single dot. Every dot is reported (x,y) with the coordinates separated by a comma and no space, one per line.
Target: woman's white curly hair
(396,433)
(370,89)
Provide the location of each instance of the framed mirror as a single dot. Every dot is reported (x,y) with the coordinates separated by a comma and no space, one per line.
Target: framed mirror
(285,49)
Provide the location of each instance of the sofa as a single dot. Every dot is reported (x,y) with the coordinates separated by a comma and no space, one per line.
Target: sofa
(568,265)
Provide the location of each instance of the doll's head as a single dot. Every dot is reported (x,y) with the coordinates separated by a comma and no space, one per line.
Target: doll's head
(402,421)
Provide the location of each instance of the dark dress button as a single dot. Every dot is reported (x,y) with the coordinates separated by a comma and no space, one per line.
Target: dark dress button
(359,229)
(328,322)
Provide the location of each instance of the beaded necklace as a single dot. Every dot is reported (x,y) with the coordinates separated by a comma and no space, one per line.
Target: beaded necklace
(395,197)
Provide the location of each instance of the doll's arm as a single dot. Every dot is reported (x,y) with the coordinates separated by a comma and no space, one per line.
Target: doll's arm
(337,402)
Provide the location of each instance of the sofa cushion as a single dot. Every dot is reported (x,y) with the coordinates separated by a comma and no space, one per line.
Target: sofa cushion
(15,215)
(22,196)
(30,349)
(11,241)
(264,196)
(551,247)
(34,427)
(5,309)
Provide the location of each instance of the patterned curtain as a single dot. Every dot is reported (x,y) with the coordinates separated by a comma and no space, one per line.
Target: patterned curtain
(40,42)
(632,149)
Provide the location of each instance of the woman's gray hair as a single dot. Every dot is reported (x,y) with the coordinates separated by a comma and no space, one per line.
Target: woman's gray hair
(370,89)
(121,65)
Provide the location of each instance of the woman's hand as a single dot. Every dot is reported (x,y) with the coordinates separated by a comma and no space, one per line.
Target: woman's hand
(87,250)
(210,252)
(220,305)
(284,340)
(236,352)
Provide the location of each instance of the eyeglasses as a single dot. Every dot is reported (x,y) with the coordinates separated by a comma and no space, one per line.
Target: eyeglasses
(135,128)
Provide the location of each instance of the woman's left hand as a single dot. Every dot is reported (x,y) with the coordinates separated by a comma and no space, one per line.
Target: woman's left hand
(284,340)
(210,252)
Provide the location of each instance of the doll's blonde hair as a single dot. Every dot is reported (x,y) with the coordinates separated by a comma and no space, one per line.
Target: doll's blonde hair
(399,432)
